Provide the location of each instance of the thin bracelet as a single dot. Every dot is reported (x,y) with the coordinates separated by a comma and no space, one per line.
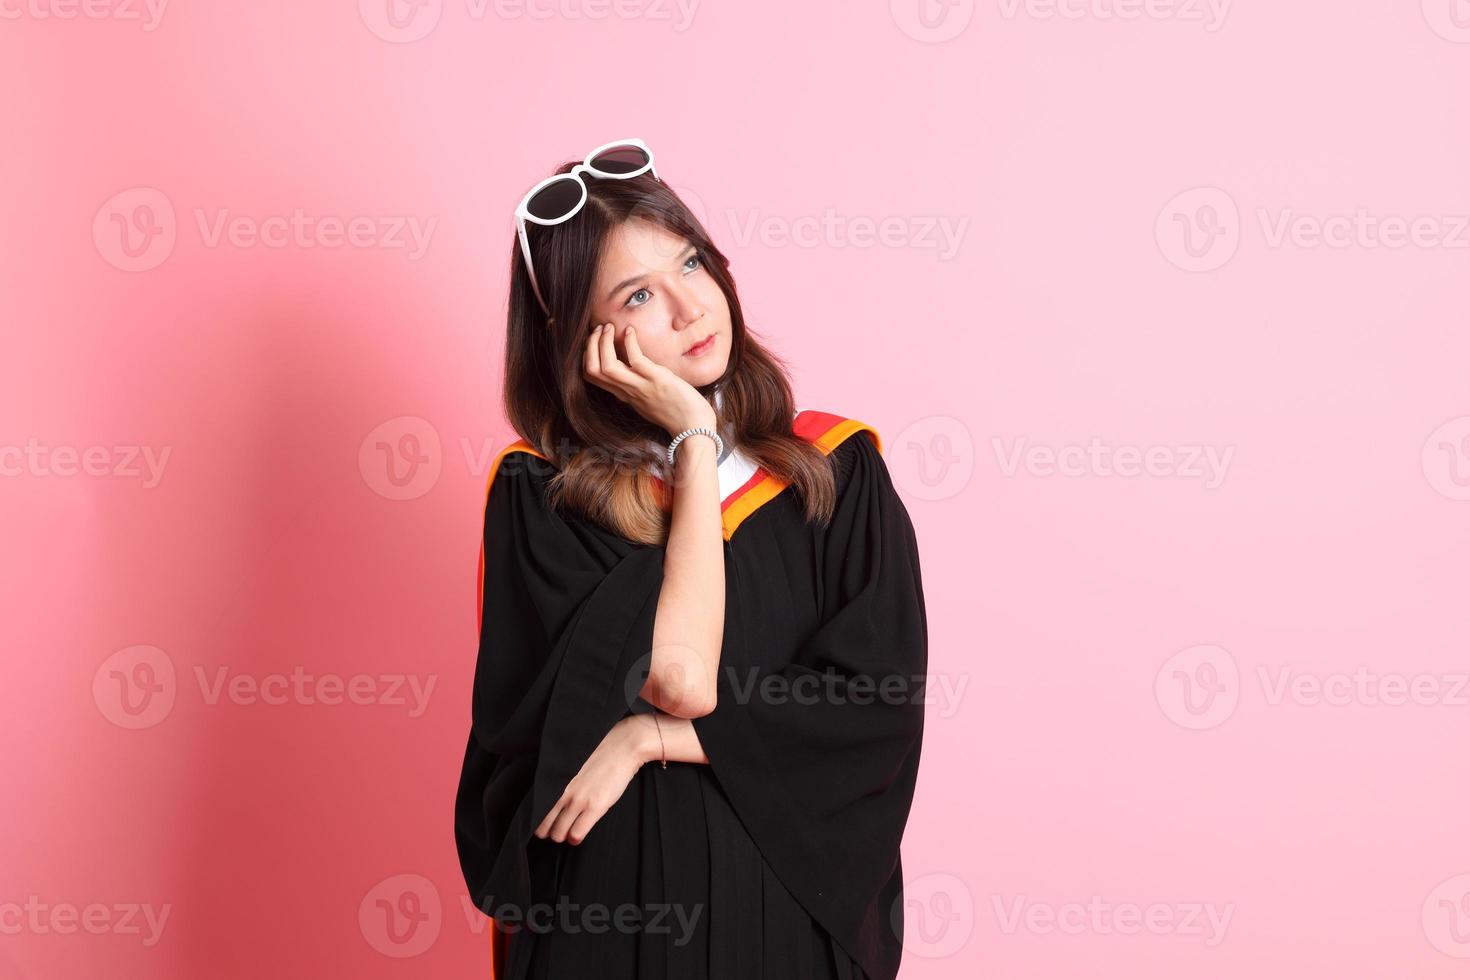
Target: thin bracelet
(663,756)
(719,443)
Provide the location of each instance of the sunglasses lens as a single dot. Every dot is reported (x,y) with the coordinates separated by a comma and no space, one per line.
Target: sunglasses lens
(621,159)
(555,200)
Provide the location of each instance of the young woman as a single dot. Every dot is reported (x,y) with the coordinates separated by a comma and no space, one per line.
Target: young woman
(749,619)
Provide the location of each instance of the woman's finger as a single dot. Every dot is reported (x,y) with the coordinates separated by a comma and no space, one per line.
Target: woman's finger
(636,358)
(564,821)
(590,356)
(594,348)
(584,824)
(594,365)
(546,822)
(608,353)
(613,367)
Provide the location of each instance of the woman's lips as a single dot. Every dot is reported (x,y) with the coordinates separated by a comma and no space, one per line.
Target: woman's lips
(703,347)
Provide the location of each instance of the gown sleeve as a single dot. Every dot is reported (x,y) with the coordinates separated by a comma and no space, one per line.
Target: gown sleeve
(818,752)
(566,614)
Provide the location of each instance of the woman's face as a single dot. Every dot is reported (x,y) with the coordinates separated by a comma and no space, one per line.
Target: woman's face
(655,280)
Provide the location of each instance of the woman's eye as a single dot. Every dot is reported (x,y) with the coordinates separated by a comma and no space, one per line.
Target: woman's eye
(633,299)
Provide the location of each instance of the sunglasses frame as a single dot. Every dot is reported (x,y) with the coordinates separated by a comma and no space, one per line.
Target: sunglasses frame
(523,211)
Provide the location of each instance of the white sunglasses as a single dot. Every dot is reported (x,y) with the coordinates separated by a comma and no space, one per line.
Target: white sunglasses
(559,197)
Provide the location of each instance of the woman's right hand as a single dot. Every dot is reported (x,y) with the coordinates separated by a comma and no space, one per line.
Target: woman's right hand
(655,392)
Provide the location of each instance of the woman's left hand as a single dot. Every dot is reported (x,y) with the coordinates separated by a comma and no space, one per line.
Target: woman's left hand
(599,783)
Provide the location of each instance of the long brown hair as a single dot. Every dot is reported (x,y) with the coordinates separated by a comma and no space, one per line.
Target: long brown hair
(600,446)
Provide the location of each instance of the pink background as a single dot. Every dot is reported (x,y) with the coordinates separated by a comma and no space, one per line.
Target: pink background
(1120,271)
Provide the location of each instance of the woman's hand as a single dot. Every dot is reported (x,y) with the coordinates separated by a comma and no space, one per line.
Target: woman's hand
(600,782)
(655,392)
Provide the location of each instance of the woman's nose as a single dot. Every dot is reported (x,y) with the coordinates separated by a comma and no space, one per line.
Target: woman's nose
(687,307)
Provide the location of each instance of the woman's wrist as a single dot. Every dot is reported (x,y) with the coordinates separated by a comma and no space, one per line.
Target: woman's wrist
(642,738)
(702,417)
(695,447)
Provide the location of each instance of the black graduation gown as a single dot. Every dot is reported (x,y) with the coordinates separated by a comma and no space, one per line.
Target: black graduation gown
(780,858)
